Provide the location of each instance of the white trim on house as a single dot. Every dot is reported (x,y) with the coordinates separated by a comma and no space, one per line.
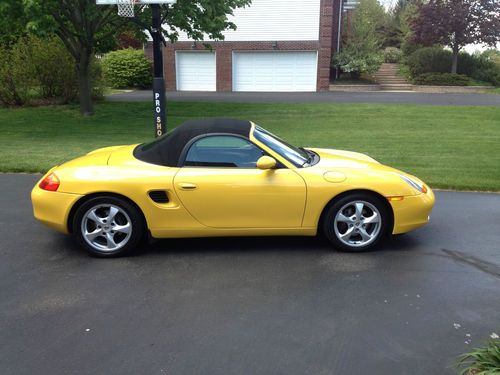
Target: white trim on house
(269,20)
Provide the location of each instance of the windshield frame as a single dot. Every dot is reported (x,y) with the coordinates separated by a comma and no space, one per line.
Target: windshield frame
(299,157)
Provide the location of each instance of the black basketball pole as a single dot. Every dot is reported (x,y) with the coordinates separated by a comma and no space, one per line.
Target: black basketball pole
(160,105)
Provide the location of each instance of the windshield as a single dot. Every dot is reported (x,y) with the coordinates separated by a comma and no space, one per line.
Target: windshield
(298,156)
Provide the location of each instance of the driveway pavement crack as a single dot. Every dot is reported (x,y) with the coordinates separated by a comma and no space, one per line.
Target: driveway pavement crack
(478,263)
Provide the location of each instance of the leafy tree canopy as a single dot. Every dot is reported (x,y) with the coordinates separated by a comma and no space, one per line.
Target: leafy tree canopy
(13,21)
(86,28)
(456,23)
(396,28)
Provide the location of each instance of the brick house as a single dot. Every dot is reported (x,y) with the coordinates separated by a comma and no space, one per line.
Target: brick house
(279,45)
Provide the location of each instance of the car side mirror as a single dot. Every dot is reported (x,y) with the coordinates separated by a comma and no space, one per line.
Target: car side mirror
(266,162)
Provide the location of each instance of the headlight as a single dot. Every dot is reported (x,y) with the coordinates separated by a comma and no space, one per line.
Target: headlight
(414,184)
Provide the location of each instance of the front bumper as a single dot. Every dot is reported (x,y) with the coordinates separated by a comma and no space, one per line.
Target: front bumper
(52,208)
(412,212)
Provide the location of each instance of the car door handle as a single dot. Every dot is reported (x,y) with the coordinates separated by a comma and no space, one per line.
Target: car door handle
(187,186)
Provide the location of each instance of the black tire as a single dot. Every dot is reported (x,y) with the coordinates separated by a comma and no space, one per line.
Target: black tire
(125,231)
(356,240)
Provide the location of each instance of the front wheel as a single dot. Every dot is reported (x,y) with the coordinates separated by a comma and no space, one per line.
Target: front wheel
(356,222)
(108,226)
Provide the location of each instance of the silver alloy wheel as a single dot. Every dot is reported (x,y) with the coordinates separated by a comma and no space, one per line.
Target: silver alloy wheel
(106,227)
(357,223)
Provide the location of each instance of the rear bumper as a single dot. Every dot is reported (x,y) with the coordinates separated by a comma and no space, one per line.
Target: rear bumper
(52,208)
(412,212)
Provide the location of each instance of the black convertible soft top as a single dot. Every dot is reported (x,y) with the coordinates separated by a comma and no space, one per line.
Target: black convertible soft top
(167,149)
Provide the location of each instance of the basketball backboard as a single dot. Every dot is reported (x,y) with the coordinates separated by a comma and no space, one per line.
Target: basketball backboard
(126,7)
(138,2)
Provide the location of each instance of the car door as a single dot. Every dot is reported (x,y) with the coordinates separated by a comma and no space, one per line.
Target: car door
(220,186)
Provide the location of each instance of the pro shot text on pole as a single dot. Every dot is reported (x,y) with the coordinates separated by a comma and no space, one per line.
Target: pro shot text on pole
(126,9)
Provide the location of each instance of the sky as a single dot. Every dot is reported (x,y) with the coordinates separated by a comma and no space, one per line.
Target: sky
(387,3)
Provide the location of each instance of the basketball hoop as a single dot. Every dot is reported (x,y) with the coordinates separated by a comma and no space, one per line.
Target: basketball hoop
(126,8)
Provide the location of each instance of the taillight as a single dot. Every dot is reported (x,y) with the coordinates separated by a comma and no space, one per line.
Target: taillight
(50,183)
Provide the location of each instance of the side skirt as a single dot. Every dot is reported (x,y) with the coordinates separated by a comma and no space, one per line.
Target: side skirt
(231,232)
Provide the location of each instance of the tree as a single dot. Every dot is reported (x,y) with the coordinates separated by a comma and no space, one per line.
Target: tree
(456,23)
(85,27)
(361,51)
(14,21)
(409,11)
(82,26)
(396,25)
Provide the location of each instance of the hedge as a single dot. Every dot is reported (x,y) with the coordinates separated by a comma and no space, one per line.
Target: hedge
(127,68)
(480,67)
(442,79)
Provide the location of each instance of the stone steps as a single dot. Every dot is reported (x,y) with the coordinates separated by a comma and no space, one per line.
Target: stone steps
(389,79)
(392,83)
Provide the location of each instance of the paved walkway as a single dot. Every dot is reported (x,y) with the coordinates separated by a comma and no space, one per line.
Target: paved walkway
(317,97)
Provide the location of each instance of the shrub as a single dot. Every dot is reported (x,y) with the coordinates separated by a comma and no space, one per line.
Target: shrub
(127,68)
(392,55)
(488,74)
(53,69)
(15,75)
(485,360)
(429,60)
(442,79)
(38,70)
(486,68)
(481,67)
(352,61)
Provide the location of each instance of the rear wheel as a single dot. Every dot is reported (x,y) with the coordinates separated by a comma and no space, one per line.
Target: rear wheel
(108,226)
(356,222)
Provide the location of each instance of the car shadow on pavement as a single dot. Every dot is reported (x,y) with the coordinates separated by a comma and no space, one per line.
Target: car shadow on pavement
(281,244)
(266,244)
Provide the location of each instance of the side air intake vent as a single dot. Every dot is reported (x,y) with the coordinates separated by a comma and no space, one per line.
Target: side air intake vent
(159,196)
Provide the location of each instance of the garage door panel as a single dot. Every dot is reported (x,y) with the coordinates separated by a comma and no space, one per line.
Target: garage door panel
(274,71)
(195,71)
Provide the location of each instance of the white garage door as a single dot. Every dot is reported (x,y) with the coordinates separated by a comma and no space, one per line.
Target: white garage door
(274,71)
(195,71)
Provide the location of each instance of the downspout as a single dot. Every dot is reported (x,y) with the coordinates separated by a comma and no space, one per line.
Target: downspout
(341,2)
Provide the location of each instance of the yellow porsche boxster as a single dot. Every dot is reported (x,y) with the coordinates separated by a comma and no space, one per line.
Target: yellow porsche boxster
(225,177)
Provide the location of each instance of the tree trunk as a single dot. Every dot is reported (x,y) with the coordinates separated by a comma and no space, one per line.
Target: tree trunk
(85,83)
(454,62)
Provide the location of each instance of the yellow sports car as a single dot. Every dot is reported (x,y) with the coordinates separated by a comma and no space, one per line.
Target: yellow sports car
(224,177)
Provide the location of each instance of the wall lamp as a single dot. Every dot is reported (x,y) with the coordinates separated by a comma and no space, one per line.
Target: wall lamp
(193,45)
(275,45)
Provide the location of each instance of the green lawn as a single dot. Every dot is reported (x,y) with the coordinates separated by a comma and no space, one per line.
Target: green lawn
(449,147)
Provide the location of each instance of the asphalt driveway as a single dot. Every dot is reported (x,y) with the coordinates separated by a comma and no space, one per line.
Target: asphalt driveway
(249,306)
(315,97)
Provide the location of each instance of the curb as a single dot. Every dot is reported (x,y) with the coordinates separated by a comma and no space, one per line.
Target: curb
(452,89)
(354,88)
